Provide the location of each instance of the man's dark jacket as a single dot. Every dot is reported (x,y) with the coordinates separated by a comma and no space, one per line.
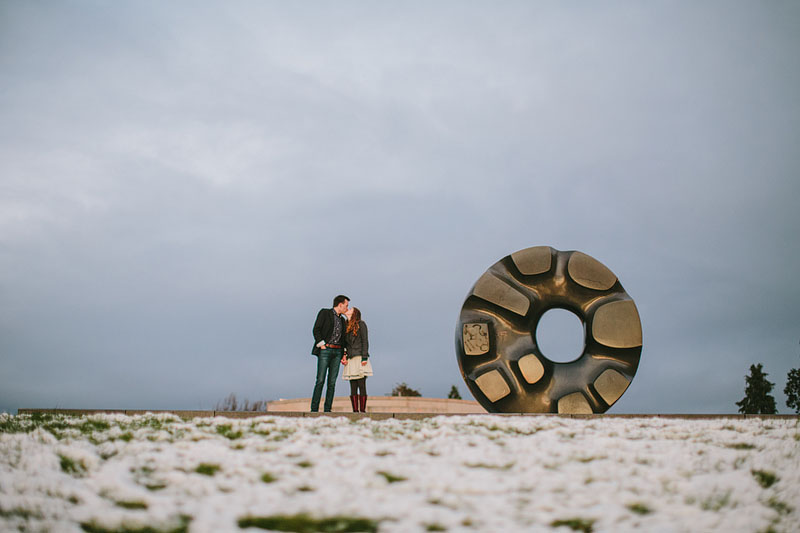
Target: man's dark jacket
(323,328)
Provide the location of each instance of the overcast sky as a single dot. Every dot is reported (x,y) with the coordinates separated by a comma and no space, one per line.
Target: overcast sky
(183,185)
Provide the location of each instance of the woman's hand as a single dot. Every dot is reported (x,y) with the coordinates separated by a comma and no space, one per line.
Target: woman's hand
(344,359)
(363,362)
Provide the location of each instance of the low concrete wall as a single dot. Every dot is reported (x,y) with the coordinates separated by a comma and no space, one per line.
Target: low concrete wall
(384,404)
(383,416)
(187,414)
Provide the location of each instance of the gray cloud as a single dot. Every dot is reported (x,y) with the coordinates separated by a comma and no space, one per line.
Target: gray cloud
(178,177)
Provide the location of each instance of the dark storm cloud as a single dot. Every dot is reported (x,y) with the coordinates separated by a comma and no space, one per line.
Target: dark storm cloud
(174,176)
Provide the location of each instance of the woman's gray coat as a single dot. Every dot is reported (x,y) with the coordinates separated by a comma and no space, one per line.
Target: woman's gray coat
(358,344)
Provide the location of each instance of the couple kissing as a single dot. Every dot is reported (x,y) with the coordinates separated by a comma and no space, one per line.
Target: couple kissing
(341,337)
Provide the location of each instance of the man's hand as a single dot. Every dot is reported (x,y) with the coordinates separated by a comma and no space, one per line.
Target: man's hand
(344,359)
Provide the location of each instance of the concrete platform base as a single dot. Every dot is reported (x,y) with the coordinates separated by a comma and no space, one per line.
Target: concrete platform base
(385,404)
(384,416)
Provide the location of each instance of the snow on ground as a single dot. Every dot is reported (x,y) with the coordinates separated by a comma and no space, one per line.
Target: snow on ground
(459,473)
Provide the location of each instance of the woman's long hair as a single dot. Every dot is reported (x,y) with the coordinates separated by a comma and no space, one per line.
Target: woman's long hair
(354,323)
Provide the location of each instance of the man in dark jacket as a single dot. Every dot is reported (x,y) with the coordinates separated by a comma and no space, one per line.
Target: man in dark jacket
(328,347)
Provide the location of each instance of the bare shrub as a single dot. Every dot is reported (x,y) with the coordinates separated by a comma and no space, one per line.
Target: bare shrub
(232,404)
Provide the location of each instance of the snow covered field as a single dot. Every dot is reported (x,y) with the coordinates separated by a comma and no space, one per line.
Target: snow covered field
(157,473)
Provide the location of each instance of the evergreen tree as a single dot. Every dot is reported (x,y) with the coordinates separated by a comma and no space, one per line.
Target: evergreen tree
(454,395)
(757,398)
(792,390)
(401,389)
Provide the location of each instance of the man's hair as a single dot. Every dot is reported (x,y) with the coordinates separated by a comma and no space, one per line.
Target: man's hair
(339,299)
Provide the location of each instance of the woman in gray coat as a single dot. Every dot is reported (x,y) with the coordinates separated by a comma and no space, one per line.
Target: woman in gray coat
(356,359)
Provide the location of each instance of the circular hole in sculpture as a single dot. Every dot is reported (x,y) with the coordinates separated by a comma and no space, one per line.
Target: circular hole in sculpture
(560,336)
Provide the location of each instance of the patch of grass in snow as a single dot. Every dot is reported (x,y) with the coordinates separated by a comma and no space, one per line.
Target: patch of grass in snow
(55,424)
(282,434)
(207,469)
(506,430)
(501,429)
(576,524)
(71,466)
(435,527)
(506,466)
(151,422)
(589,459)
(715,502)
(741,446)
(391,478)
(126,437)
(765,479)
(303,523)
(266,477)
(90,426)
(780,507)
(305,464)
(226,430)
(181,527)
(132,505)
(106,455)
(305,488)
(384,453)
(142,476)
(11,424)
(19,513)
(639,508)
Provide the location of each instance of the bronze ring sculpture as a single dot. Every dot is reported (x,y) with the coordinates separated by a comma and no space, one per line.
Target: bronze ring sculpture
(496,342)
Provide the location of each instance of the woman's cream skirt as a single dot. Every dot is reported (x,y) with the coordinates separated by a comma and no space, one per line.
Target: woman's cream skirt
(355,370)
